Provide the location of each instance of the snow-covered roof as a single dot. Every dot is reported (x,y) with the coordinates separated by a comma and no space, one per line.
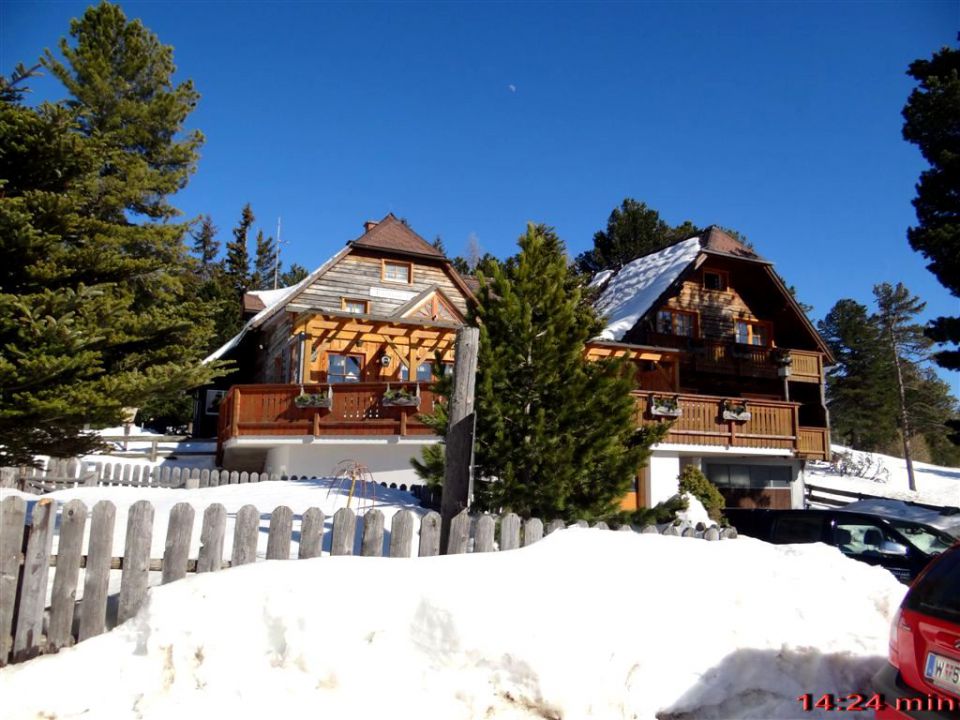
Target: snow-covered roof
(630,293)
(269,297)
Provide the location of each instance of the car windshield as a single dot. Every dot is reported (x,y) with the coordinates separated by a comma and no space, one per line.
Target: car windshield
(926,540)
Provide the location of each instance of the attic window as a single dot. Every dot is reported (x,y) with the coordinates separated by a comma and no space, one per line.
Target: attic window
(714,280)
(398,272)
(359,307)
(677,322)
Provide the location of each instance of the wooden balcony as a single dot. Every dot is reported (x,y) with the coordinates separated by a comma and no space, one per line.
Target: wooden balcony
(705,355)
(356,409)
(772,425)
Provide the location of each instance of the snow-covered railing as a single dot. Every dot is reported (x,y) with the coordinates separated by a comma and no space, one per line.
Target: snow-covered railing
(821,496)
(34,621)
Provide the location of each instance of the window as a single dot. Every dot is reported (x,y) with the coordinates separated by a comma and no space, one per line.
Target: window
(857,538)
(749,476)
(676,322)
(714,280)
(358,307)
(752,332)
(799,528)
(398,272)
(343,368)
(424,372)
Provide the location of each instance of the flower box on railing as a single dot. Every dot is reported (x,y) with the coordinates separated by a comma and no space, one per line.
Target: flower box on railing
(665,406)
(736,410)
(313,400)
(400,398)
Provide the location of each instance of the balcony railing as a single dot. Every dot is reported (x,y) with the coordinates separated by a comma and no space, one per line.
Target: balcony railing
(355,409)
(771,424)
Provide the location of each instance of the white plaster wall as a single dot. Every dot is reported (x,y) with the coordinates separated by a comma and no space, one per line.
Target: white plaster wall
(664,474)
(388,462)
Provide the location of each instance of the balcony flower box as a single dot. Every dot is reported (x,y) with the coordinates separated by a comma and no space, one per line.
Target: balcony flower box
(736,410)
(400,398)
(661,406)
(313,400)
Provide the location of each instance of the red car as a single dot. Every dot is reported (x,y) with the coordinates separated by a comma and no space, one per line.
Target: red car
(922,679)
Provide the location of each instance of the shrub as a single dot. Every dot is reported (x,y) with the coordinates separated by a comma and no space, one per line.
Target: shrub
(696,483)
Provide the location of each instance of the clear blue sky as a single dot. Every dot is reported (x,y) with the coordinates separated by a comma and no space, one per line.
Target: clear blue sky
(781,120)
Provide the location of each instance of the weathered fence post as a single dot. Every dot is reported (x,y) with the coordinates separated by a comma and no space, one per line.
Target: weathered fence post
(177,546)
(63,600)
(430,535)
(401,534)
(372,544)
(459,439)
(483,542)
(459,534)
(136,560)
(13,512)
(33,591)
(96,576)
(246,528)
(212,531)
(311,534)
(532,531)
(344,532)
(510,531)
(278,539)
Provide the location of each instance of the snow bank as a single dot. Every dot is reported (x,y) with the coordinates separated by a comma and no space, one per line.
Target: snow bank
(936,485)
(586,623)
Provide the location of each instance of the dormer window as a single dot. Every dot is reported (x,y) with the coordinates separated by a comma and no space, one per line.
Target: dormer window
(677,322)
(350,305)
(714,280)
(397,272)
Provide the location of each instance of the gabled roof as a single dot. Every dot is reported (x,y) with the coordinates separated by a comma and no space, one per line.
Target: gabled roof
(392,235)
(415,302)
(715,240)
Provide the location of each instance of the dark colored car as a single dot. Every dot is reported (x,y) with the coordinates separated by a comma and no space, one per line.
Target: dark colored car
(921,681)
(903,547)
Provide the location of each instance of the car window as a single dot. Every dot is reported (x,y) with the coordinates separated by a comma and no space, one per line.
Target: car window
(861,538)
(928,541)
(938,592)
(799,528)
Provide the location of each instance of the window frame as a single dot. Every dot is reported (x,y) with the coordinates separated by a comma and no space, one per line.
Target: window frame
(344,301)
(360,362)
(383,271)
(724,279)
(674,313)
(751,324)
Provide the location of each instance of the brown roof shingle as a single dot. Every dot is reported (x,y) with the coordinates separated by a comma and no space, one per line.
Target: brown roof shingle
(393,235)
(715,239)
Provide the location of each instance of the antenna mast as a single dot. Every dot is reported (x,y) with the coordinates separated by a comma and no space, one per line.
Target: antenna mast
(276,265)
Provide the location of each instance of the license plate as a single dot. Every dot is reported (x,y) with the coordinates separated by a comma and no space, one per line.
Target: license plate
(943,671)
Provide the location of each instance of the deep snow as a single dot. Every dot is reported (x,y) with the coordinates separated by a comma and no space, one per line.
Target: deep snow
(584,624)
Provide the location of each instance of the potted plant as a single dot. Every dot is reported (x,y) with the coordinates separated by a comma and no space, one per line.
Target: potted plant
(736,410)
(314,400)
(401,397)
(782,358)
(665,406)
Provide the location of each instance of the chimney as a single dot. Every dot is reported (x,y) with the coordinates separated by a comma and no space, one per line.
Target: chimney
(369,225)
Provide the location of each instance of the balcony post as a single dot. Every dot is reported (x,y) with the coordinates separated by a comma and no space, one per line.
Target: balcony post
(235,413)
(316,422)
(403,421)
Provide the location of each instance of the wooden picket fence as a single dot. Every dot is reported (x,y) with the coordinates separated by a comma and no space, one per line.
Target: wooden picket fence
(60,474)
(30,626)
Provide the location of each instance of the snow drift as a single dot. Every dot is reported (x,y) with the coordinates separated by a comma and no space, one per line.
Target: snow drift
(586,623)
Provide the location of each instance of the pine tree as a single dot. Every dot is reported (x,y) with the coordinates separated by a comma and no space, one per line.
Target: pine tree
(206,246)
(633,229)
(932,122)
(295,274)
(237,261)
(264,263)
(860,386)
(97,301)
(556,434)
(906,344)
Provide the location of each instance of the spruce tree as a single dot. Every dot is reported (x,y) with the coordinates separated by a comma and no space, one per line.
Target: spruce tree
(237,261)
(97,302)
(556,434)
(932,122)
(206,246)
(264,263)
(295,274)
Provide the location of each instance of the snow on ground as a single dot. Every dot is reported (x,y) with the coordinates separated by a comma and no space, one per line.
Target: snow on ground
(886,476)
(584,624)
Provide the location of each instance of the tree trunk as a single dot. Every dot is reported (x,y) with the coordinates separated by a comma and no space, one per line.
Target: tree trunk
(904,418)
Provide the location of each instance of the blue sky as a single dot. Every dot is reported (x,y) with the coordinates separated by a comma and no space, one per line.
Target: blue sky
(781,120)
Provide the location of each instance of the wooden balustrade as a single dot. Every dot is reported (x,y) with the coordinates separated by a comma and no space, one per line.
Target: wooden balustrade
(356,409)
(771,424)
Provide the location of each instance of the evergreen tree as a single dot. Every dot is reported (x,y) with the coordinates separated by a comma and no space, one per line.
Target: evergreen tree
(932,122)
(633,229)
(438,244)
(265,263)
(237,262)
(860,388)
(295,274)
(206,246)
(556,434)
(97,293)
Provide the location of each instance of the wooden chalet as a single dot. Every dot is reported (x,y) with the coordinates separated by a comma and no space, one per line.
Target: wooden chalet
(339,366)
(725,354)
